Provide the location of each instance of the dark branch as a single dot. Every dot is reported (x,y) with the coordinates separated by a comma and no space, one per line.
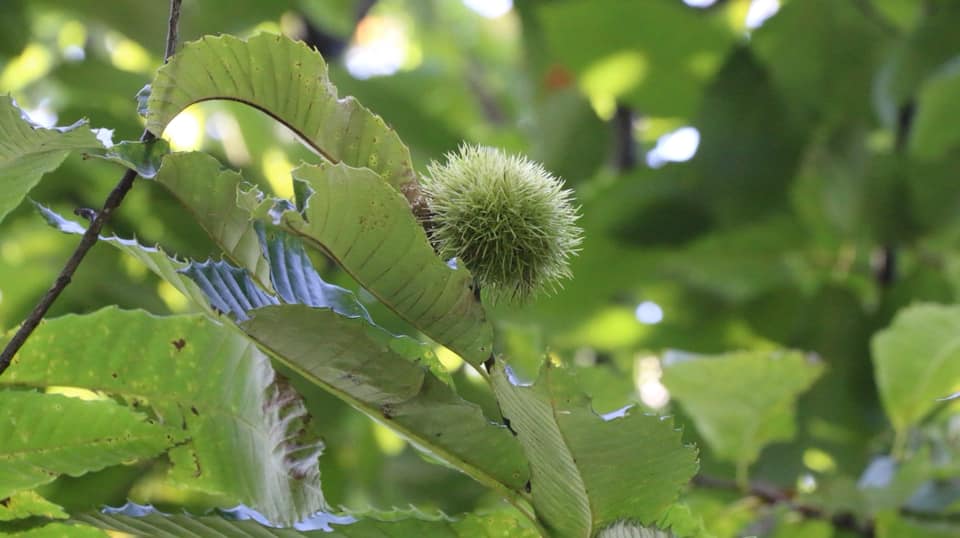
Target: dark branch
(625,145)
(770,494)
(93,232)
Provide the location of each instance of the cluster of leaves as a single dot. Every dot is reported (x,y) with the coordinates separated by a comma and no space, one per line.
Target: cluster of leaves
(819,206)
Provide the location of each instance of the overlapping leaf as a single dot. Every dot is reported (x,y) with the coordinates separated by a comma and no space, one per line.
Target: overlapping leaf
(209,192)
(378,373)
(400,525)
(27,151)
(43,436)
(588,473)
(245,427)
(289,81)
(368,229)
(917,361)
(740,402)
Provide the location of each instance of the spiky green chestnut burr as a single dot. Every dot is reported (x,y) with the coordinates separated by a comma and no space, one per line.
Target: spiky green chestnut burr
(505,218)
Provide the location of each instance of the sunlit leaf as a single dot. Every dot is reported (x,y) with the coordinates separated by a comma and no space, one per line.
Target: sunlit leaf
(24,504)
(45,435)
(740,402)
(917,361)
(243,426)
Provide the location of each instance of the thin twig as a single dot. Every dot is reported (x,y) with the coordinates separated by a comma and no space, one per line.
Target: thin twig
(93,232)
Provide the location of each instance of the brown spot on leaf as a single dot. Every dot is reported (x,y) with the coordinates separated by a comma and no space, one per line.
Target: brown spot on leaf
(179,343)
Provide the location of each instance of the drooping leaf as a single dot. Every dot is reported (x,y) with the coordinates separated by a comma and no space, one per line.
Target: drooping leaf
(399,525)
(916,361)
(587,473)
(384,376)
(167,268)
(209,192)
(368,229)
(28,503)
(740,402)
(288,81)
(247,439)
(350,358)
(28,151)
(43,436)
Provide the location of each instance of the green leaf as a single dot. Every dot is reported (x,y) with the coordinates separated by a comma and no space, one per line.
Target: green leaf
(143,157)
(386,378)
(740,402)
(60,530)
(209,192)
(401,525)
(917,360)
(814,75)
(24,504)
(169,269)
(369,230)
(364,365)
(586,472)
(199,377)
(936,127)
(628,530)
(288,81)
(28,151)
(892,525)
(47,435)
(636,65)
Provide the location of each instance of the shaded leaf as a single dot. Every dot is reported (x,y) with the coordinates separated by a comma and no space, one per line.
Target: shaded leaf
(28,151)
(209,192)
(740,402)
(197,377)
(936,127)
(588,473)
(45,435)
(917,360)
(289,81)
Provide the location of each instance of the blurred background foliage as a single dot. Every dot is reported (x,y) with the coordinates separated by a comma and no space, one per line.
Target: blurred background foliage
(753,174)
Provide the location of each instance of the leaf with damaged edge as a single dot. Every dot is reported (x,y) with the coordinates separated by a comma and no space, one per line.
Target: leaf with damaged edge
(245,427)
(385,377)
(28,151)
(368,229)
(385,525)
(43,436)
(586,472)
(289,81)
